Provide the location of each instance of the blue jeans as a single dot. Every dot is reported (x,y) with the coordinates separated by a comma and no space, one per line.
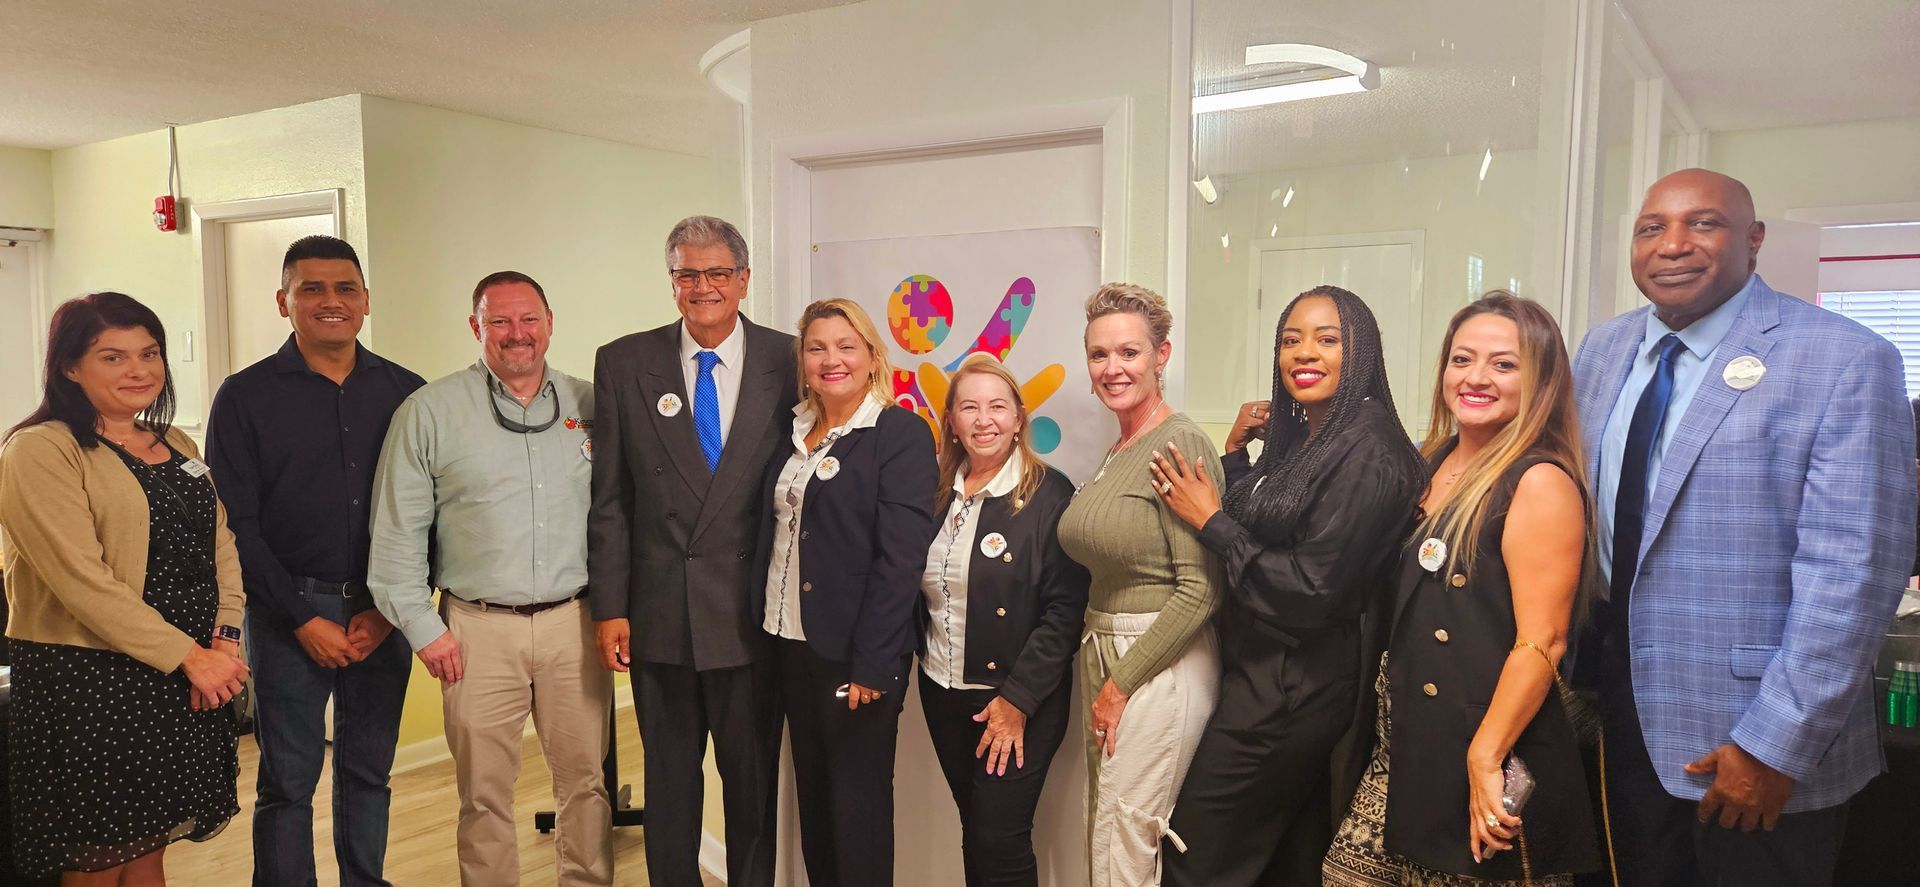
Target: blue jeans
(290,697)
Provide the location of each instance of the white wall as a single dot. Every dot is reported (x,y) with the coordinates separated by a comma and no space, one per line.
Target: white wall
(887,61)
(1816,166)
(1442,196)
(26,187)
(103,199)
(453,197)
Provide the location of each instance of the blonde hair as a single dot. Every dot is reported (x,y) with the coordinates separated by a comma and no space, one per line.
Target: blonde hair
(1546,422)
(880,384)
(1128,298)
(953,453)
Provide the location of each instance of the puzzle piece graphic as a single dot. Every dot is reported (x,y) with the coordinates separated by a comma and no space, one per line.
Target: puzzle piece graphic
(920,315)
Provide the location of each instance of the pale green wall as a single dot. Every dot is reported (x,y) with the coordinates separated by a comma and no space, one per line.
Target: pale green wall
(1816,166)
(453,197)
(26,187)
(103,199)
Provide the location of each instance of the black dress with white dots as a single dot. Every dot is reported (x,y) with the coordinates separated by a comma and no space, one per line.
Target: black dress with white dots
(108,760)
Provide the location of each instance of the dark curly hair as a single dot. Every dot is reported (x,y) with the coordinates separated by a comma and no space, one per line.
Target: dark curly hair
(1271,497)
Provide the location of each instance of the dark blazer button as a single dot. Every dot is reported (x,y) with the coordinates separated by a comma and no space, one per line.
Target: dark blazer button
(1000,611)
(742,554)
(993,666)
(1440,634)
(803,534)
(658,470)
(806,586)
(692,554)
(673,515)
(1459,580)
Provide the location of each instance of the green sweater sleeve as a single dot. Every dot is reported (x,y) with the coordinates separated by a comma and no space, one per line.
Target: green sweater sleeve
(1195,574)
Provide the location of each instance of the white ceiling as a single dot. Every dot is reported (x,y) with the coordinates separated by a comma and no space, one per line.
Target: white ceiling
(1461,76)
(78,71)
(1758,64)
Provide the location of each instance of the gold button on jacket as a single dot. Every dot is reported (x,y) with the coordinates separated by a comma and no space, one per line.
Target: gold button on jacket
(1428,689)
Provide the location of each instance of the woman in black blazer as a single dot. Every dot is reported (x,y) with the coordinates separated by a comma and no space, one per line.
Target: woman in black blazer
(1489,585)
(847,542)
(1004,606)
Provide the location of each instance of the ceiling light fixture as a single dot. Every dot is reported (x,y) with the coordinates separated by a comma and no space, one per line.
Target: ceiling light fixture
(1313,72)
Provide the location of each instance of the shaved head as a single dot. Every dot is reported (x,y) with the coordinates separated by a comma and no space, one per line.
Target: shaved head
(1695,243)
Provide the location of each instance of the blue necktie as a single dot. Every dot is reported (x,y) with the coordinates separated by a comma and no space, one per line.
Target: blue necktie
(706,410)
(1630,499)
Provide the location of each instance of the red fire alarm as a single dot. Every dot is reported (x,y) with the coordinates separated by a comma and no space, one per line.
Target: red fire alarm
(163,213)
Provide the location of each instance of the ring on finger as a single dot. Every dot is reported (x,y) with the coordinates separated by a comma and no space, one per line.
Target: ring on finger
(1492,820)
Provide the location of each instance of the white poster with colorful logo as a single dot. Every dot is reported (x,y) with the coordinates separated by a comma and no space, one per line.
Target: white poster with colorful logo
(1018,296)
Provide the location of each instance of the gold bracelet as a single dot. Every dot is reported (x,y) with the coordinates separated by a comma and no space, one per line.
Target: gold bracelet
(1543,655)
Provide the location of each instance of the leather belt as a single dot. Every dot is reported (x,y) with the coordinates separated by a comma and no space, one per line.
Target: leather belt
(526,609)
(350,589)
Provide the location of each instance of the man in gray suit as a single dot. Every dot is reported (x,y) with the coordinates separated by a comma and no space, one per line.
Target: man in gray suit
(689,415)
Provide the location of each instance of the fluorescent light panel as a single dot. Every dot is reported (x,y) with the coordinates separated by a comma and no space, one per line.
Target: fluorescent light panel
(1273,95)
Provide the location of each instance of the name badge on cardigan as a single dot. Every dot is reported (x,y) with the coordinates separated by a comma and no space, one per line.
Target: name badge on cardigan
(194,468)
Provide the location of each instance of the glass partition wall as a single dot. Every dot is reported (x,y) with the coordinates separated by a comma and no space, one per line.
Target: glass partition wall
(1416,154)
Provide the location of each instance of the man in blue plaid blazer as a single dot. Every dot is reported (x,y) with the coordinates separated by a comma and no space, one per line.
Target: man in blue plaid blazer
(1755,496)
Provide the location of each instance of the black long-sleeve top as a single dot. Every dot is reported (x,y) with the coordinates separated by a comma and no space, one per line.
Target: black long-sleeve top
(294,455)
(1359,511)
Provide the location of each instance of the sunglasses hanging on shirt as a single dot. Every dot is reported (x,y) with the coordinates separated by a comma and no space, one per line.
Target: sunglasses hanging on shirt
(518,427)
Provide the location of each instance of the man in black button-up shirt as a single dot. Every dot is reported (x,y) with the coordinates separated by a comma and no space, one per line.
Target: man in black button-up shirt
(294,440)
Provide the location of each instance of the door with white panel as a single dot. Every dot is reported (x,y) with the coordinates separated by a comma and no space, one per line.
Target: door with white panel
(1385,275)
(254,250)
(19,350)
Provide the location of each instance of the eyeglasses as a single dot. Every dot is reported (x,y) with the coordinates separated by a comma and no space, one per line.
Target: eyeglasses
(686,278)
(493,400)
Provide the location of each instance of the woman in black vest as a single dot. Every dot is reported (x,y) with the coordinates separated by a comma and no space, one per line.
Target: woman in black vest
(1002,617)
(1489,585)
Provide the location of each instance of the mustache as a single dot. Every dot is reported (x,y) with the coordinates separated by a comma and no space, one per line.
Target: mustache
(516,343)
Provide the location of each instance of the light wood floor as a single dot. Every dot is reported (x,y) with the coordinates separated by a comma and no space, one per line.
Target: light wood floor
(420,846)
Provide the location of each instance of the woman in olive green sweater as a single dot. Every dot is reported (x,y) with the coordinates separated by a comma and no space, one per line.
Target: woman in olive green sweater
(1149,664)
(126,603)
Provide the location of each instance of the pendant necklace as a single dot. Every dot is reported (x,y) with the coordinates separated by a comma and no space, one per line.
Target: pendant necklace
(1144,425)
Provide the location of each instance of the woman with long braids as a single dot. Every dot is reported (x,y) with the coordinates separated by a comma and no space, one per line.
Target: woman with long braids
(1148,666)
(1304,534)
(1488,586)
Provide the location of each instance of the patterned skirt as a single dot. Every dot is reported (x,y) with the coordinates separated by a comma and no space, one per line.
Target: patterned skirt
(1359,857)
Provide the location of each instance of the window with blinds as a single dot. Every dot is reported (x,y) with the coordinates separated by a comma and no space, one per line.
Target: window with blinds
(1894,314)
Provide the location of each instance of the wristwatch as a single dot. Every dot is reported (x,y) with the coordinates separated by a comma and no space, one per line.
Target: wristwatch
(227,633)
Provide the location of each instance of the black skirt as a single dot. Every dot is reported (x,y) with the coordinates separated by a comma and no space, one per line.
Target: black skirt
(108,762)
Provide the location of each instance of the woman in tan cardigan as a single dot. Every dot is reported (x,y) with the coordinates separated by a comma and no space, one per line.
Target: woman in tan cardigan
(126,600)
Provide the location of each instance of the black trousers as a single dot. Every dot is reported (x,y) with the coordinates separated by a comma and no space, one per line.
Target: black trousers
(842,769)
(996,812)
(1658,840)
(1257,804)
(677,708)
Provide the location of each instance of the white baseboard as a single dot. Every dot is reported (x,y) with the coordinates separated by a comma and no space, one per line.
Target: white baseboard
(415,755)
(713,857)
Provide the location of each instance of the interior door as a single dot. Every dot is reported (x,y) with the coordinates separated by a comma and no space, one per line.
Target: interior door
(254,251)
(19,370)
(1382,275)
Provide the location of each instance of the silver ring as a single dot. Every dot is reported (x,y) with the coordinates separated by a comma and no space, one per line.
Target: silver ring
(1100,733)
(1165,487)
(1493,821)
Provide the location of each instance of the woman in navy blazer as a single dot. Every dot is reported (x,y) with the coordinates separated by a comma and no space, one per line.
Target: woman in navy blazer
(1003,610)
(846,544)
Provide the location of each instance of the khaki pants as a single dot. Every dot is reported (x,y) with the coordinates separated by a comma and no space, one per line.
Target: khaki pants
(545,664)
(1132,793)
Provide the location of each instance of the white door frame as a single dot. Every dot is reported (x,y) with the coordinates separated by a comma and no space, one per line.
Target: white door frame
(1260,341)
(32,242)
(210,242)
(795,159)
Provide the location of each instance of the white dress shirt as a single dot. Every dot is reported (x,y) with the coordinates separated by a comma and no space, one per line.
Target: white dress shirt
(726,373)
(789,502)
(944,584)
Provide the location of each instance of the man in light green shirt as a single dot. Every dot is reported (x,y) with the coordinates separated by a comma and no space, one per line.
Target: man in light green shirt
(482,493)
